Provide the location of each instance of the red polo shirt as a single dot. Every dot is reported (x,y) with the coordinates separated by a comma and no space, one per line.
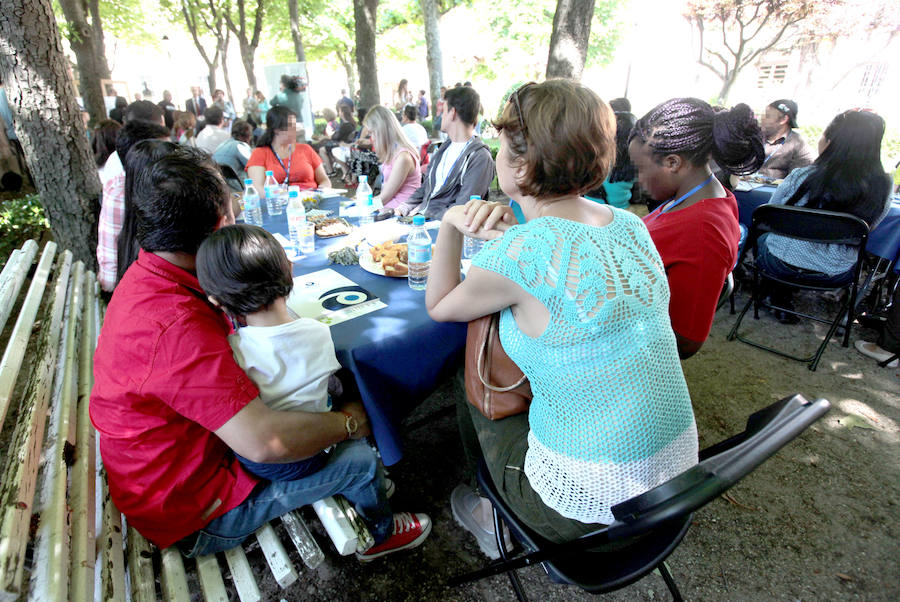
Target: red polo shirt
(164,380)
(698,246)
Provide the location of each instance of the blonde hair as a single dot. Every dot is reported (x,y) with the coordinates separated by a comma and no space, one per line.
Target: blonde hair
(388,134)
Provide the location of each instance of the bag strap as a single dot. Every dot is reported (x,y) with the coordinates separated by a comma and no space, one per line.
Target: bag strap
(483,352)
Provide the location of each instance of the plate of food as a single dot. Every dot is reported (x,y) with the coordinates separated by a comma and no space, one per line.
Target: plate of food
(386,259)
(330,227)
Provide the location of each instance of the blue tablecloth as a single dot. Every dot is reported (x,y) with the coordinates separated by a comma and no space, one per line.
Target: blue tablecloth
(398,354)
(884,240)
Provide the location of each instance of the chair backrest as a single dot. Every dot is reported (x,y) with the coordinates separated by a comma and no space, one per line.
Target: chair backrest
(720,467)
(813,225)
(231,178)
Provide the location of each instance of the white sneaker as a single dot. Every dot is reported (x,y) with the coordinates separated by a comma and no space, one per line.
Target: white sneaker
(875,352)
(463,501)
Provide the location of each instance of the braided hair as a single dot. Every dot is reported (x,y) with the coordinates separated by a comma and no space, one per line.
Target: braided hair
(692,128)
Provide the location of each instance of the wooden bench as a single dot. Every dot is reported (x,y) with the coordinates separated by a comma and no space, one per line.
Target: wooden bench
(61,537)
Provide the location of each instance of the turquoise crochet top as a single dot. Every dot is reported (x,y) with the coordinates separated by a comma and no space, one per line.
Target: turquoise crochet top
(611,415)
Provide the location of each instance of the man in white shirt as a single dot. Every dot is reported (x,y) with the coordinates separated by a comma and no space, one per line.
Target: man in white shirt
(413,130)
(213,134)
(461,167)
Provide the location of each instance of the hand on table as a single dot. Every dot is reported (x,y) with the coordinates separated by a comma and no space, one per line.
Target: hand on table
(356,409)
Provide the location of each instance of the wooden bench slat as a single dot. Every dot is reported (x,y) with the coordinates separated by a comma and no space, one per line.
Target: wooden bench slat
(17,493)
(276,556)
(18,340)
(242,575)
(55,514)
(82,492)
(110,548)
(211,579)
(173,579)
(140,567)
(306,545)
(13,277)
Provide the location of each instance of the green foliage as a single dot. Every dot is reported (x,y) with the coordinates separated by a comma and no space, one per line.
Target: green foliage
(20,219)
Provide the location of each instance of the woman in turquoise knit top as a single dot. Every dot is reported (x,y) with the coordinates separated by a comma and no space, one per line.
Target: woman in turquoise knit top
(584,313)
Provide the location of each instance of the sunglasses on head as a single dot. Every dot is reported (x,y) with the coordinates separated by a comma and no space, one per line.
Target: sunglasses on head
(515,100)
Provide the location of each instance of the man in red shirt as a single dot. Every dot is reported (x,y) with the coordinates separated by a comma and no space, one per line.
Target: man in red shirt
(172,406)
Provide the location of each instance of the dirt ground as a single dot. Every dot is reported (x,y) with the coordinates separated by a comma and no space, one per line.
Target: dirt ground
(816,522)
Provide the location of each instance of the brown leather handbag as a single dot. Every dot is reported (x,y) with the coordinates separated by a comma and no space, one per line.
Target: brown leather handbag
(494,383)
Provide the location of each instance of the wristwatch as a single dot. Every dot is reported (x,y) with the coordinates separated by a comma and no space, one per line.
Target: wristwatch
(350,424)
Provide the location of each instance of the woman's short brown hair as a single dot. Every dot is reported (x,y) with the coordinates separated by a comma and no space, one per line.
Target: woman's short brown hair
(565,137)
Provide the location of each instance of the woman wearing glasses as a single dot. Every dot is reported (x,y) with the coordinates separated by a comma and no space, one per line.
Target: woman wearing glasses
(583,305)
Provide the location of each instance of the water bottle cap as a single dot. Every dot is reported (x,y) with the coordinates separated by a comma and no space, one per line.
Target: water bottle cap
(293,194)
(248,181)
(418,220)
(269,172)
(364,178)
(475,197)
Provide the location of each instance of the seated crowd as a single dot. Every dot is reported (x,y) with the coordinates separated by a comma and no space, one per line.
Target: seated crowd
(232,412)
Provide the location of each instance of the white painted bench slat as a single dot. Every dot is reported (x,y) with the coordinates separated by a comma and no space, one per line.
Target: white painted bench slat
(13,277)
(211,579)
(173,579)
(18,497)
(276,556)
(82,491)
(140,567)
(110,552)
(242,575)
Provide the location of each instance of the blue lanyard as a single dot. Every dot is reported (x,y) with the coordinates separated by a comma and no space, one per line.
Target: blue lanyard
(775,152)
(668,206)
(287,171)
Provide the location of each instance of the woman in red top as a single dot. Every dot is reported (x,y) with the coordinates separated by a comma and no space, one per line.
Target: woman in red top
(696,229)
(279,151)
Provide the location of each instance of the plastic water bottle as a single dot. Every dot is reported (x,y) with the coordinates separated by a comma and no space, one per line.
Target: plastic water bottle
(252,210)
(418,245)
(270,187)
(282,197)
(366,211)
(296,219)
(472,245)
(363,193)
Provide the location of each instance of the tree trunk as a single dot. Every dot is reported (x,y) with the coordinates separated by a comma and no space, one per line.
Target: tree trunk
(247,45)
(99,42)
(295,31)
(247,59)
(347,62)
(727,83)
(364,14)
(89,66)
(569,40)
(433,56)
(48,124)
(230,96)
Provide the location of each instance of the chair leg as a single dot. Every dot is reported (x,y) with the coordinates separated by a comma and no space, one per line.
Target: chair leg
(513,577)
(670,582)
(889,360)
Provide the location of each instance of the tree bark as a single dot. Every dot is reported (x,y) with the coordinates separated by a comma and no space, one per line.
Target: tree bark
(433,55)
(193,20)
(90,67)
(569,39)
(230,96)
(99,42)
(365,13)
(295,31)
(48,124)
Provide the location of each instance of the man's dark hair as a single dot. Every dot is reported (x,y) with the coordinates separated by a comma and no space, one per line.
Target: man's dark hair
(135,131)
(243,268)
(103,142)
(178,201)
(620,105)
(241,130)
(466,102)
(422,92)
(410,112)
(143,110)
(213,115)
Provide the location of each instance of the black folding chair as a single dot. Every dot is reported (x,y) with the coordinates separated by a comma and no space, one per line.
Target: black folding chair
(648,527)
(812,225)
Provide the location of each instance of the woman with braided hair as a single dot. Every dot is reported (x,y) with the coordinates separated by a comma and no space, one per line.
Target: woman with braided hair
(696,228)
